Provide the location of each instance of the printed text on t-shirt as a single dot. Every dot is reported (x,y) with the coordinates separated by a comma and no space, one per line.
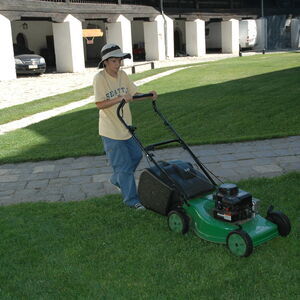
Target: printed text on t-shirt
(117,92)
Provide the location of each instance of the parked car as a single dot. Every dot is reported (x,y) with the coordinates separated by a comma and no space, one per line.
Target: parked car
(247,34)
(27,62)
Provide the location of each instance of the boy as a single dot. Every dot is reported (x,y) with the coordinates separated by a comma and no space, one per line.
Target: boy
(111,86)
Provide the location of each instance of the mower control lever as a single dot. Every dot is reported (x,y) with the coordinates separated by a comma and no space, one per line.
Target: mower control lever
(153,146)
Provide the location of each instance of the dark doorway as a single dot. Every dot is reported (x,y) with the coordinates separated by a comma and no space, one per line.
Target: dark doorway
(21,40)
(177,42)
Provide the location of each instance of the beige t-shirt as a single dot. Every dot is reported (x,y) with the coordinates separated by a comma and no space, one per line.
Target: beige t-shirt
(107,87)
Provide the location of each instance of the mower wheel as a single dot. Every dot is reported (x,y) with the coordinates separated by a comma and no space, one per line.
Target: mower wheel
(281,220)
(178,221)
(239,243)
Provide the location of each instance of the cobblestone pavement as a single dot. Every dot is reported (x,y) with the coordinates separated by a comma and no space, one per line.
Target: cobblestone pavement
(74,179)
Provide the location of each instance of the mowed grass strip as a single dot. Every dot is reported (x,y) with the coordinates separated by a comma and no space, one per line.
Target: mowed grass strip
(98,249)
(20,111)
(245,98)
(27,109)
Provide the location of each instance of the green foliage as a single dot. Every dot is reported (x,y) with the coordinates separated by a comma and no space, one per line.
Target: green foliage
(244,98)
(99,249)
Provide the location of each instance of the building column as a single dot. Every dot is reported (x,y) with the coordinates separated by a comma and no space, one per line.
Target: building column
(159,38)
(261,41)
(7,62)
(195,37)
(295,33)
(68,45)
(230,36)
(169,38)
(119,33)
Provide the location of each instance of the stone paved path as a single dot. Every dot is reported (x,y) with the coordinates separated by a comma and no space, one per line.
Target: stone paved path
(73,179)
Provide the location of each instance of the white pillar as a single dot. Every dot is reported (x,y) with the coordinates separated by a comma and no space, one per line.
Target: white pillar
(295,33)
(230,36)
(261,26)
(155,39)
(169,39)
(119,33)
(195,37)
(7,62)
(68,45)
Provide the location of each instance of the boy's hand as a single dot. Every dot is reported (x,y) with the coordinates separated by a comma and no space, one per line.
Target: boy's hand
(154,97)
(127,97)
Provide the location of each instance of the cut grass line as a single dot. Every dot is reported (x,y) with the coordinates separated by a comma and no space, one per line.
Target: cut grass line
(44,115)
(41,116)
(154,77)
(20,111)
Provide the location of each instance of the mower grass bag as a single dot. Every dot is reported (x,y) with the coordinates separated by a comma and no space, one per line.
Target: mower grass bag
(162,194)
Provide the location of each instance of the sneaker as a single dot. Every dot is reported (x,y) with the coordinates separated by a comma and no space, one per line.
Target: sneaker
(139,206)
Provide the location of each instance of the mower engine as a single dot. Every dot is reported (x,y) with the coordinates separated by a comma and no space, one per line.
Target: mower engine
(233,204)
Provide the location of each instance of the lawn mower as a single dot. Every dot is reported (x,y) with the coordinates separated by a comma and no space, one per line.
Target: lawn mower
(190,198)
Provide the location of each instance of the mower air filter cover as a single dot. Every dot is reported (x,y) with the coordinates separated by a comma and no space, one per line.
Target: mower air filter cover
(228,189)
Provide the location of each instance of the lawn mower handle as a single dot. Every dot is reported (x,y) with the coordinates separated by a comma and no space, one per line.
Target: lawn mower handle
(123,102)
(138,96)
(132,129)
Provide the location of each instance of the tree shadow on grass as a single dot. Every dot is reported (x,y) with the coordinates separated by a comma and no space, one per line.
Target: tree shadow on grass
(256,107)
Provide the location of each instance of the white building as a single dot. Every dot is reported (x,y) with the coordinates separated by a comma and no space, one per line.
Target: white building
(54,29)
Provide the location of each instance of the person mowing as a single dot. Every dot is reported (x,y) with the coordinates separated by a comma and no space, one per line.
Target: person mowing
(111,86)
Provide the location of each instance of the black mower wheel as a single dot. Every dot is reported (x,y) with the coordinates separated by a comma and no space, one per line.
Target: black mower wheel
(178,221)
(281,220)
(239,243)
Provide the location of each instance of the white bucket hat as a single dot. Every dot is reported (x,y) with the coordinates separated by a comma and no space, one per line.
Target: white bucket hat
(112,50)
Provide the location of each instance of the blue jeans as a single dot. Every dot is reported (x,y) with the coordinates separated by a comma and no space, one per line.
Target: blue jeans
(124,157)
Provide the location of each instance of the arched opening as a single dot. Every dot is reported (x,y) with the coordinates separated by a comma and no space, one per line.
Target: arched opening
(179,38)
(21,46)
(176,41)
(21,40)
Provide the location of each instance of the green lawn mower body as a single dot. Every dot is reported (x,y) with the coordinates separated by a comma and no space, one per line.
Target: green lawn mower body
(190,198)
(259,229)
(240,237)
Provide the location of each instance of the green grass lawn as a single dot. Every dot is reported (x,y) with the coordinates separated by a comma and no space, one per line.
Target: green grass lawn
(244,98)
(98,249)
